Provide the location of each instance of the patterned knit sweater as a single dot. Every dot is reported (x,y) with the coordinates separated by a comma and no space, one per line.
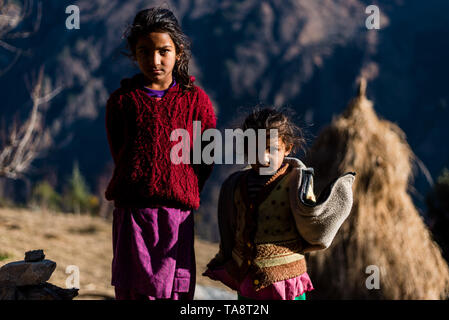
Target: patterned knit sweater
(138,129)
(267,245)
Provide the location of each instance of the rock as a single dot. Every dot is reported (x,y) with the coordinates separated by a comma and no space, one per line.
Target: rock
(36,292)
(23,273)
(45,291)
(27,280)
(34,255)
(63,294)
(7,293)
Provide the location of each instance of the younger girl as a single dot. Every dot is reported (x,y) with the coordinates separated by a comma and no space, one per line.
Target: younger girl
(268,222)
(153,254)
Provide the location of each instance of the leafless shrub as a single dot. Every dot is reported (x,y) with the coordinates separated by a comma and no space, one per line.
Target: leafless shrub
(26,142)
(11,18)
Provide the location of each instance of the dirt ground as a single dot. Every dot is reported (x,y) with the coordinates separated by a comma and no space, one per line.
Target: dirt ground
(80,240)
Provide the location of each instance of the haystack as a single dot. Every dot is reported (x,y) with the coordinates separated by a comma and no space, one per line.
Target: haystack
(384,229)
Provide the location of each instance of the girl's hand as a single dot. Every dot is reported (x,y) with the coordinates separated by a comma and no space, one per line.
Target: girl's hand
(310,195)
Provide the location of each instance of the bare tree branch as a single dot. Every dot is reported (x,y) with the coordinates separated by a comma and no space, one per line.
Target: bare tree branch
(26,142)
(36,25)
(30,140)
(10,20)
(10,65)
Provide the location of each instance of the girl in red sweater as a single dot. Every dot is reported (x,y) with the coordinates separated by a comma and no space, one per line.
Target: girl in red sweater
(153,253)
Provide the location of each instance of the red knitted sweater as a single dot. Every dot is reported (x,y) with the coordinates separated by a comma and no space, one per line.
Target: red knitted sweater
(138,128)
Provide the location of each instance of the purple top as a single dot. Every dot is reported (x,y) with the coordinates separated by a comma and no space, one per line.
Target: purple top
(158,93)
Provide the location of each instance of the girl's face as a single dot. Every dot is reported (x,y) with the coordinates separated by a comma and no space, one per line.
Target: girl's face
(273,161)
(156,56)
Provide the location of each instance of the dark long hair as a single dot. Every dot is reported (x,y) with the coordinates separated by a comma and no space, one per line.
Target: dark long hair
(280,119)
(160,19)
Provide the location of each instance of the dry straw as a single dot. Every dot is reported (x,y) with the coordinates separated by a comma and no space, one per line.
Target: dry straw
(384,228)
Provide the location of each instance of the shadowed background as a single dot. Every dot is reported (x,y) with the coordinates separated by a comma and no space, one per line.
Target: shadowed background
(299,53)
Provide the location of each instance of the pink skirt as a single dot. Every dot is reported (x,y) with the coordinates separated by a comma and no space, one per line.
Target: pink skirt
(282,290)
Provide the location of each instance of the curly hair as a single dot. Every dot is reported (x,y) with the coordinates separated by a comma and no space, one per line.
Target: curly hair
(161,19)
(271,118)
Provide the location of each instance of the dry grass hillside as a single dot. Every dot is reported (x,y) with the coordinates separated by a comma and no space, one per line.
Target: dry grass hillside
(80,240)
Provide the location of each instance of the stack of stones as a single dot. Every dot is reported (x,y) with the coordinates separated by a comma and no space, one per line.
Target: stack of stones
(27,280)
